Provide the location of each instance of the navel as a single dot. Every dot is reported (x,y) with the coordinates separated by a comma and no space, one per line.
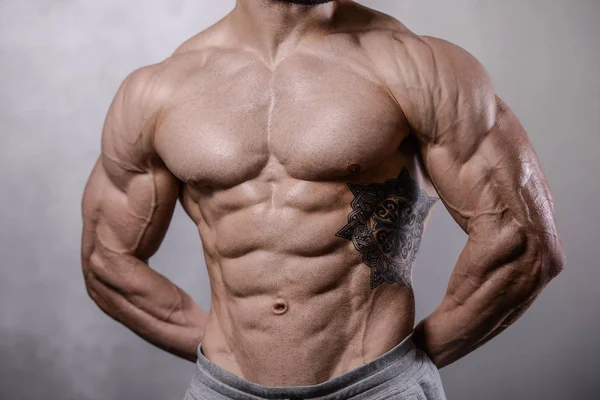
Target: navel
(280,306)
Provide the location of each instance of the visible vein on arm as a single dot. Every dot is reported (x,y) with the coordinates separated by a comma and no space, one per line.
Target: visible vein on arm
(148,219)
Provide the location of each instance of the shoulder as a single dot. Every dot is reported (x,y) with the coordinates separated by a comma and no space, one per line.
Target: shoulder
(441,70)
(448,61)
(143,95)
(138,100)
(127,135)
(151,85)
(408,56)
(144,88)
(147,90)
(436,82)
(403,55)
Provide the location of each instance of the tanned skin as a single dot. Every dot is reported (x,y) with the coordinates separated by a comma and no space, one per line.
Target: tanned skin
(309,144)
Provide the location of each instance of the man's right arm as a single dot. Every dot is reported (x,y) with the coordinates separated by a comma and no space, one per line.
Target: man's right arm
(127,207)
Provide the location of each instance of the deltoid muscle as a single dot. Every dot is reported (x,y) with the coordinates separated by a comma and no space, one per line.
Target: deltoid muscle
(386,225)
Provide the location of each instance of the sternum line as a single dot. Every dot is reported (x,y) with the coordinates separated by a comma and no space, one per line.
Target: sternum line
(270,112)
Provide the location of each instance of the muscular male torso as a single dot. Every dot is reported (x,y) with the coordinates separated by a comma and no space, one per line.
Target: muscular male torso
(268,155)
(308,186)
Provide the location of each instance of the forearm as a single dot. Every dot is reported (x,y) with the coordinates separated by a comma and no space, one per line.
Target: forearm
(492,285)
(146,302)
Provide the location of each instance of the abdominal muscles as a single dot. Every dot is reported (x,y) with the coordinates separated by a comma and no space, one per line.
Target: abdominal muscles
(293,302)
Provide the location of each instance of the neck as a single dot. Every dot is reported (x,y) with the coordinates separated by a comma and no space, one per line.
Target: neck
(272,25)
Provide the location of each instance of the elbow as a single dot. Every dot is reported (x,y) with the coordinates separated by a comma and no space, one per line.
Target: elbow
(550,251)
(536,260)
(549,258)
(553,259)
(91,277)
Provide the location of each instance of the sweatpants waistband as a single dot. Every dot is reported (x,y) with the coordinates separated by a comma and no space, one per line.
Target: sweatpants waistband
(397,365)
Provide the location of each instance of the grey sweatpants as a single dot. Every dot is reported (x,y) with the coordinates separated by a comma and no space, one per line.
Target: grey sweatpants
(403,373)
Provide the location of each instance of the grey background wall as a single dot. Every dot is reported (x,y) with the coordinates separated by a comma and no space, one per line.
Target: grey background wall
(60,64)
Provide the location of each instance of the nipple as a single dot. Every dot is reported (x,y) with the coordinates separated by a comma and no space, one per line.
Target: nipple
(280,306)
(353,168)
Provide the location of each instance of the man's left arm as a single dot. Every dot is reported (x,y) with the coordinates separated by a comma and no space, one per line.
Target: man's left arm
(487,174)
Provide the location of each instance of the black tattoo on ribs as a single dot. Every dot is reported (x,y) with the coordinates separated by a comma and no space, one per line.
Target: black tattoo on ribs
(386,225)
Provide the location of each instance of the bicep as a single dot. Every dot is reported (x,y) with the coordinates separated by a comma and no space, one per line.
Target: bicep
(128,213)
(491,175)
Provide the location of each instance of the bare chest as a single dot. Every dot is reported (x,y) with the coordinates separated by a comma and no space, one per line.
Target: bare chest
(317,119)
